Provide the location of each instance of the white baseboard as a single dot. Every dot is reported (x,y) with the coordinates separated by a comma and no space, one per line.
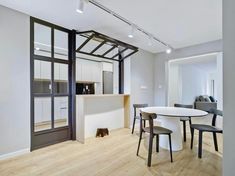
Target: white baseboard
(14,154)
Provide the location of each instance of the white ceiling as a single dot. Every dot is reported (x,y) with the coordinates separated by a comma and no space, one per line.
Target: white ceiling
(180,23)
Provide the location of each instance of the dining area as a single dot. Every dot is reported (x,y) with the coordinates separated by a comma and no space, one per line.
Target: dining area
(175,129)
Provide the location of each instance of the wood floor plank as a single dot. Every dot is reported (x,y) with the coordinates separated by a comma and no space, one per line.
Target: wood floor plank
(115,155)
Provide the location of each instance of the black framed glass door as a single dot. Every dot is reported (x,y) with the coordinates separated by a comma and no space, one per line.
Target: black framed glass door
(51,120)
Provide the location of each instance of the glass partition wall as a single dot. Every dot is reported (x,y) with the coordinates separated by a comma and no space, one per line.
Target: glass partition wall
(50,93)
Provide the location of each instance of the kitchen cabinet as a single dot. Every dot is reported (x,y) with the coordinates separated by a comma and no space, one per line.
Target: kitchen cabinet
(88,71)
(42,70)
(60,72)
(42,111)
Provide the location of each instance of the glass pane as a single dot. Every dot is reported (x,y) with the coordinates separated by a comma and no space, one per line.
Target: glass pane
(42,40)
(61,111)
(42,113)
(91,45)
(61,45)
(103,49)
(127,52)
(42,77)
(61,78)
(113,53)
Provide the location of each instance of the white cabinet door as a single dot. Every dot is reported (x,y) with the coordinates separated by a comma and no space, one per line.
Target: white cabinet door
(87,71)
(37,69)
(45,70)
(38,110)
(46,109)
(96,72)
(63,72)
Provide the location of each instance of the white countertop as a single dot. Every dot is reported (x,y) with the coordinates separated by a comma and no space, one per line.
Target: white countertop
(101,95)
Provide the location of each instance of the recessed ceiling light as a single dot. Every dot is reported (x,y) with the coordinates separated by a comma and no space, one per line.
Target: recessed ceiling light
(168,51)
(80,6)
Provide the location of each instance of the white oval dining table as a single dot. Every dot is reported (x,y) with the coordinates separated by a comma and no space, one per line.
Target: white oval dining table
(170,118)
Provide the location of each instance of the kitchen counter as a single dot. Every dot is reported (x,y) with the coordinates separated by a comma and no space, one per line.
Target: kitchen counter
(110,111)
(102,95)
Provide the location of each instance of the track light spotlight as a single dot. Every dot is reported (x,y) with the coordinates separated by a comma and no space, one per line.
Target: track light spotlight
(80,6)
(131,34)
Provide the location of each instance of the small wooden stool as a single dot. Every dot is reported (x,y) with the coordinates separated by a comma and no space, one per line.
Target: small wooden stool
(101,132)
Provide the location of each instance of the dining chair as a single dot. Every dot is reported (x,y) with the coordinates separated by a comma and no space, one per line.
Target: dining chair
(136,108)
(207,128)
(184,119)
(153,131)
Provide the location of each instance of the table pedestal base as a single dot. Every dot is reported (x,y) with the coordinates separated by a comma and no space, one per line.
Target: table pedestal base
(172,124)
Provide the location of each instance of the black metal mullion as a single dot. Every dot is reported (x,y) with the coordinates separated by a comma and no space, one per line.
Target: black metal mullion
(109,50)
(31,81)
(72,83)
(119,52)
(84,43)
(96,48)
(129,55)
(97,56)
(52,79)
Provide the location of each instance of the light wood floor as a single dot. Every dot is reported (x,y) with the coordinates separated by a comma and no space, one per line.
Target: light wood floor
(114,155)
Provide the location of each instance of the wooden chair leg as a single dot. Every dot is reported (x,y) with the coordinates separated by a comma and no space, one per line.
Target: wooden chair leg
(133,126)
(157,143)
(192,136)
(200,145)
(184,129)
(170,147)
(138,148)
(150,150)
(144,123)
(215,141)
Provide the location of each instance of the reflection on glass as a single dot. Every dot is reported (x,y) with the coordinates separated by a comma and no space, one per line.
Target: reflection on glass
(61,45)
(42,76)
(61,111)
(42,113)
(42,40)
(61,78)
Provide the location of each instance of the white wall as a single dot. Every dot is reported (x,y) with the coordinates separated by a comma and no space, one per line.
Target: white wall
(15,83)
(194,83)
(174,85)
(142,78)
(161,66)
(229,86)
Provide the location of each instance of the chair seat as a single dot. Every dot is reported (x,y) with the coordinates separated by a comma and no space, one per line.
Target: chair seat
(158,130)
(208,128)
(137,117)
(184,118)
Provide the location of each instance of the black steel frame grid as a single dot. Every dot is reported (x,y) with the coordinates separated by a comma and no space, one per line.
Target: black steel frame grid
(105,39)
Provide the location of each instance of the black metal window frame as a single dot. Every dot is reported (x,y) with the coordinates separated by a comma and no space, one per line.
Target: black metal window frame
(52,94)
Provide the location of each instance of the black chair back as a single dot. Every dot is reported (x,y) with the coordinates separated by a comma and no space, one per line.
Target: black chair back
(150,117)
(138,106)
(215,113)
(183,106)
